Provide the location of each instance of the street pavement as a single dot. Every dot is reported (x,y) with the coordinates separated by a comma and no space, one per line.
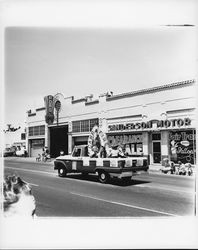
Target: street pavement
(149,194)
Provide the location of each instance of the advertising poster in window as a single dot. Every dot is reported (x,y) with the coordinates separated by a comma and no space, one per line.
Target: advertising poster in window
(183,146)
(131,143)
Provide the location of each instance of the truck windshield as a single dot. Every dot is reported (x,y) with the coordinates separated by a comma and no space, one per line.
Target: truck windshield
(76,152)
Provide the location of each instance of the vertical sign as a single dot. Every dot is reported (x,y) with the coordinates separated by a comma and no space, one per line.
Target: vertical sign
(49,106)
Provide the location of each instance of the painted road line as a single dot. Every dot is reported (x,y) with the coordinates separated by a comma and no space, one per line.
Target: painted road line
(124,204)
(33,171)
(167,189)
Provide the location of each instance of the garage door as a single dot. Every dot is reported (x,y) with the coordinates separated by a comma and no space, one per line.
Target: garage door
(36,151)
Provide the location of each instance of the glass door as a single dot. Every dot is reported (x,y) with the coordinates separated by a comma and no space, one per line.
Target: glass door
(156,151)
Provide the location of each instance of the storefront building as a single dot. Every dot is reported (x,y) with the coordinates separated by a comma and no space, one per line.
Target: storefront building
(157,122)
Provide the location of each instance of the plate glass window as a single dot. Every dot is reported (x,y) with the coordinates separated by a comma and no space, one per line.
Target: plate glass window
(156,141)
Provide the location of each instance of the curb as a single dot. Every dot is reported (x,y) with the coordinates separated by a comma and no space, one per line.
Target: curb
(27,159)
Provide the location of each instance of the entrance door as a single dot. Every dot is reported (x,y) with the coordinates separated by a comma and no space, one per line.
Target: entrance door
(58,140)
(156,151)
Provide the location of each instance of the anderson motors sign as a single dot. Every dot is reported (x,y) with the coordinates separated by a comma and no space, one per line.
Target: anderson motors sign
(153,124)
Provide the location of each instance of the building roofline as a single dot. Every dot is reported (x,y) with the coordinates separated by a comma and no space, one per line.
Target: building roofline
(40,109)
(31,114)
(92,102)
(83,99)
(151,90)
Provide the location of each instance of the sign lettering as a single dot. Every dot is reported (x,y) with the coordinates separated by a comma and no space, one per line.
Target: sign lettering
(183,146)
(149,125)
(124,139)
(49,106)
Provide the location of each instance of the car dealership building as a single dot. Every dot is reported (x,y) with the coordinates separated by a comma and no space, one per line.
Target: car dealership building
(157,122)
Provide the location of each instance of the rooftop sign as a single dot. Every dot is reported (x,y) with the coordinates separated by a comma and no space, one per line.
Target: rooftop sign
(152,124)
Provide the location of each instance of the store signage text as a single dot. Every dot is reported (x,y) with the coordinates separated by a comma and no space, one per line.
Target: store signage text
(183,146)
(182,136)
(149,125)
(124,139)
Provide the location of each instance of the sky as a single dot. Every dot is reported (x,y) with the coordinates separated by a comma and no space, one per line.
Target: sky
(90,56)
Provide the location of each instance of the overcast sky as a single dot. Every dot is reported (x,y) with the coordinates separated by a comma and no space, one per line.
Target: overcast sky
(86,59)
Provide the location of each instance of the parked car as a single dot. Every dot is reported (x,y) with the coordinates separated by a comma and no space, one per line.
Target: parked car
(21,152)
(8,152)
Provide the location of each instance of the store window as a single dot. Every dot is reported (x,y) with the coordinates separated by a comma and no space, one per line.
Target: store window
(76,126)
(31,131)
(156,137)
(23,136)
(36,130)
(93,122)
(84,125)
(183,146)
(131,144)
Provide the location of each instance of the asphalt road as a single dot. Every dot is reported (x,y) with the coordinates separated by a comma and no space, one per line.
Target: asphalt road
(147,195)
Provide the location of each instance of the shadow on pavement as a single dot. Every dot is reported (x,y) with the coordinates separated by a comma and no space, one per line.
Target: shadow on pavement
(112,181)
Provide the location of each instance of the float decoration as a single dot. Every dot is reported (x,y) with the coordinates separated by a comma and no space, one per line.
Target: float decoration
(97,142)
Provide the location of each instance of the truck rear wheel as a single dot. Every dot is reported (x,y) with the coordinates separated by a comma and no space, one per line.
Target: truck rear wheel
(103,177)
(62,172)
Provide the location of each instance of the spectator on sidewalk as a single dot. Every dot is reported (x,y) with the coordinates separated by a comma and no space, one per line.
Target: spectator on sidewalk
(182,168)
(43,154)
(167,166)
(38,158)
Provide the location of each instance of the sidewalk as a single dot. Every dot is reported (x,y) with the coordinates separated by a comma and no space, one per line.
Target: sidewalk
(29,159)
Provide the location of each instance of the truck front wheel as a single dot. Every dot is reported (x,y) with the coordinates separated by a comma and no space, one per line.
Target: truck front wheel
(103,177)
(62,172)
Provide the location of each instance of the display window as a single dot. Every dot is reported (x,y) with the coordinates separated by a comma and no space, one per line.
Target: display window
(183,146)
(131,143)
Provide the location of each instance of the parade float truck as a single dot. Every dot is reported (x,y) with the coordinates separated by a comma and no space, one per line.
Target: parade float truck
(82,160)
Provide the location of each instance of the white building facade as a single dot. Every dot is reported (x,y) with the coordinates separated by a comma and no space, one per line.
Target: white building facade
(157,122)
(15,138)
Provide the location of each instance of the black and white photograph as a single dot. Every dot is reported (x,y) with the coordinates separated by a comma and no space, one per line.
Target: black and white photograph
(99,124)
